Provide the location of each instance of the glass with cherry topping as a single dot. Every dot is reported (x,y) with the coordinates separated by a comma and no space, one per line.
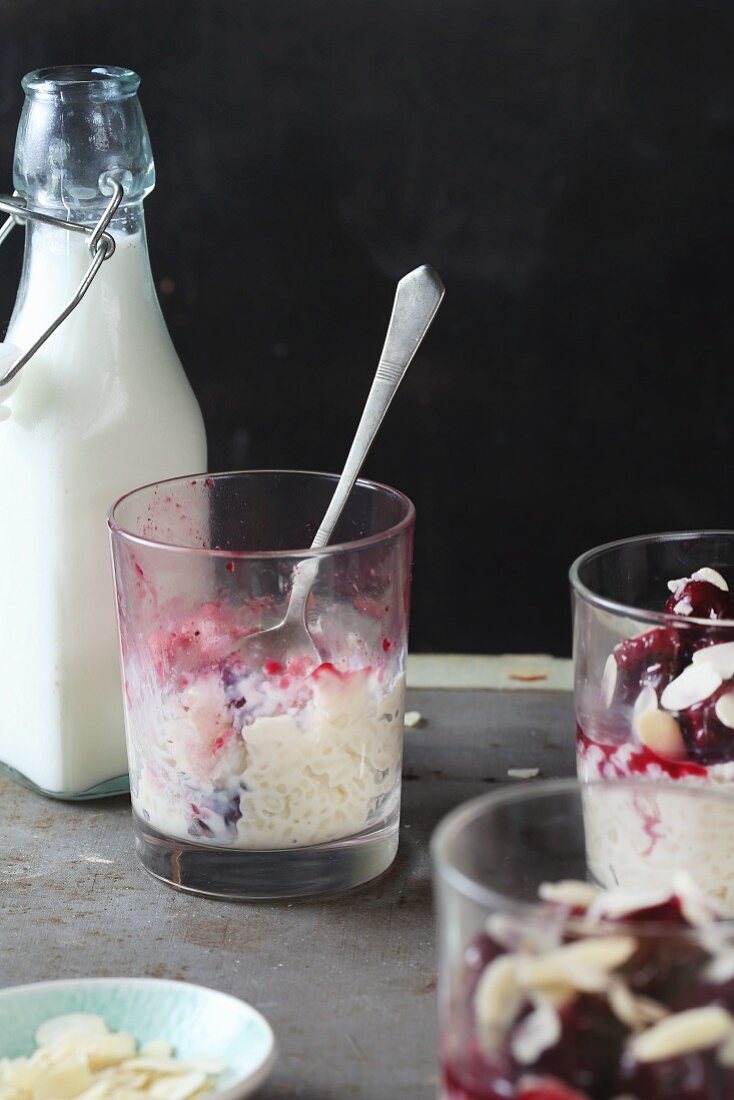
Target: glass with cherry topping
(552,987)
(250,776)
(654,658)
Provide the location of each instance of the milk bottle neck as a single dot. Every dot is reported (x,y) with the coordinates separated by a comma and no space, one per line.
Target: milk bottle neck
(81,125)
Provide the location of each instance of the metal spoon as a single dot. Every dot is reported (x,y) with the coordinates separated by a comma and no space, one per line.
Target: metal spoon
(417,298)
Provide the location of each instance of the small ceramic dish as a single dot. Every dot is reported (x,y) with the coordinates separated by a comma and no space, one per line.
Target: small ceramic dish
(198,1022)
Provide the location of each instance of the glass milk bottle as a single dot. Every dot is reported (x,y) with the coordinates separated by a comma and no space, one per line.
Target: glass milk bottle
(103,406)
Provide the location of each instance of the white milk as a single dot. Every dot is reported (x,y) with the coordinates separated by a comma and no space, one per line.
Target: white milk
(104,406)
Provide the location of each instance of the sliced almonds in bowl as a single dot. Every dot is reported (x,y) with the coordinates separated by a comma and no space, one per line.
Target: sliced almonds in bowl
(77,1056)
(169,1040)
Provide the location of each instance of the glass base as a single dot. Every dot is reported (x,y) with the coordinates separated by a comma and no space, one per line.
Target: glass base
(108,787)
(281,873)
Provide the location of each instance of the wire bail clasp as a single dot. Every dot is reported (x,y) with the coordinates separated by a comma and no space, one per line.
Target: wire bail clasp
(101,247)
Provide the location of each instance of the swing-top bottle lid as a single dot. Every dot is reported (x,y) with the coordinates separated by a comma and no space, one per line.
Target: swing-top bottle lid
(79,125)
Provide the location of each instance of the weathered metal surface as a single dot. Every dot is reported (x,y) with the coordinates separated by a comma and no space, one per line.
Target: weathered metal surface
(348,983)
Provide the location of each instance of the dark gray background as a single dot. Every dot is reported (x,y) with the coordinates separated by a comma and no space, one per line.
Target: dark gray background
(567,166)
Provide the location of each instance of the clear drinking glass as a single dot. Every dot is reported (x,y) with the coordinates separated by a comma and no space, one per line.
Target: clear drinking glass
(262,778)
(553,989)
(654,658)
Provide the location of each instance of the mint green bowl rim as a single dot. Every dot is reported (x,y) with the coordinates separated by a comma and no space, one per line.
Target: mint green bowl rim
(243,1086)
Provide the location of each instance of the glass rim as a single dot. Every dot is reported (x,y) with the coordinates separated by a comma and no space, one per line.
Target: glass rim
(115,80)
(396,529)
(665,618)
(478,892)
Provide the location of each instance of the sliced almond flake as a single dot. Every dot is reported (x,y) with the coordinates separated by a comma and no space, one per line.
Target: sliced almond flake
(121,1082)
(575,893)
(613,904)
(697,907)
(64,1081)
(567,963)
(497,1001)
(635,1012)
(725,709)
(538,1032)
(660,733)
(609,680)
(158,1065)
(720,656)
(695,683)
(413,719)
(211,1066)
(15,1085)
(156,1048)
(24,1072)
(683,1033)
(586,979)
(126,1078)
(523,773)
(623,1004)
(555,995)
(712,576)
(177,1088)
(646,701)
(69,1026)
(109,1050)
(98,1091)
(721,968)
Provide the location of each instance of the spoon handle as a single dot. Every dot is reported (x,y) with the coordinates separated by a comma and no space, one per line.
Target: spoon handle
(417,298)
